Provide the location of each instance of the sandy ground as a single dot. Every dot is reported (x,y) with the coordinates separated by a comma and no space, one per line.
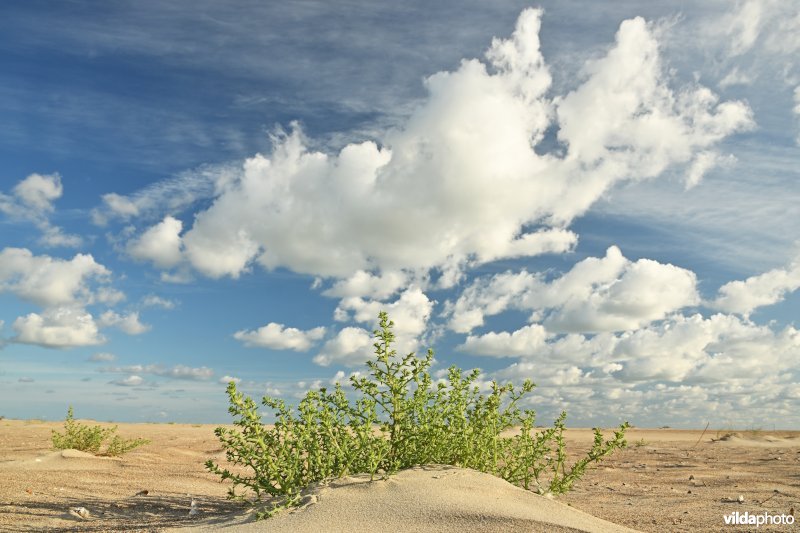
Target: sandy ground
(666,480)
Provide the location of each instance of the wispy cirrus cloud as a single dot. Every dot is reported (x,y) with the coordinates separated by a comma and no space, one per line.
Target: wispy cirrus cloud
(165,197)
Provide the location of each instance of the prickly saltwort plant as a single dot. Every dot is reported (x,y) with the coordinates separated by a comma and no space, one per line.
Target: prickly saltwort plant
(90,439)
(399,420)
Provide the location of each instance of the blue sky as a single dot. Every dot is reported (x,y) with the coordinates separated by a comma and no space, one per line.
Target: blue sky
(600,196)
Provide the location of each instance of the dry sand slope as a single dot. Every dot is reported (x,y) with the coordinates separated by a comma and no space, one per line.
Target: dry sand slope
(665,481)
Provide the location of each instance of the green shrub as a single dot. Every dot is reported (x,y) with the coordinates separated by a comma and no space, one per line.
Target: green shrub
(90,439)
(400,419)
(118,445)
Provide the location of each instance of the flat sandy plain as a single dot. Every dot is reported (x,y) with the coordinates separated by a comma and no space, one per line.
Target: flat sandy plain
(666,480)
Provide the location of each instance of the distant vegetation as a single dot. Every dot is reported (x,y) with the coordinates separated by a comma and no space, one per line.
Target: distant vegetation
(420,422)
(91,439)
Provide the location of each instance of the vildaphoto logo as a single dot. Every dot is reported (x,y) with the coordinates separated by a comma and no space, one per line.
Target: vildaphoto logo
(762,519)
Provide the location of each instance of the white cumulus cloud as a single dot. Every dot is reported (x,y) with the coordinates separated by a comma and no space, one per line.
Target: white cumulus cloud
(410,313)
(626,123)
(40,191)
(460,183)
(771,287)
(351,347)
(129,381)
(49,281)
(366,284)
(641,292)
(682,349)
(710,349)
(279,337)
(59,327)
(129,323)
(610,293)
(525,341)
(32,200)
(160,244)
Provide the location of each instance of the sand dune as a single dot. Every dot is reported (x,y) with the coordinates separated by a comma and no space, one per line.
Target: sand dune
(429,499)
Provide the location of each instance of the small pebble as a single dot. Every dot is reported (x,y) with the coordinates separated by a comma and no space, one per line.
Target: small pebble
(80,512)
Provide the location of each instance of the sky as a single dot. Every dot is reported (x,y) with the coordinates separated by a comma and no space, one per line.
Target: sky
(602,197)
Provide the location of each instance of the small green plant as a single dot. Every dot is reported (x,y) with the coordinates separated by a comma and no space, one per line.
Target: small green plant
(399,420)
(118,446)
(640,443)
(90,439)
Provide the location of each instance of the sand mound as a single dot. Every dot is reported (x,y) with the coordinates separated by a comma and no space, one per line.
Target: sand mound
(75,454)
(758,440)
(440,498)
(62,460)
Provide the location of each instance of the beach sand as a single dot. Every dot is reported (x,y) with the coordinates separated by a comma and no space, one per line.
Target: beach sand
(666,480)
